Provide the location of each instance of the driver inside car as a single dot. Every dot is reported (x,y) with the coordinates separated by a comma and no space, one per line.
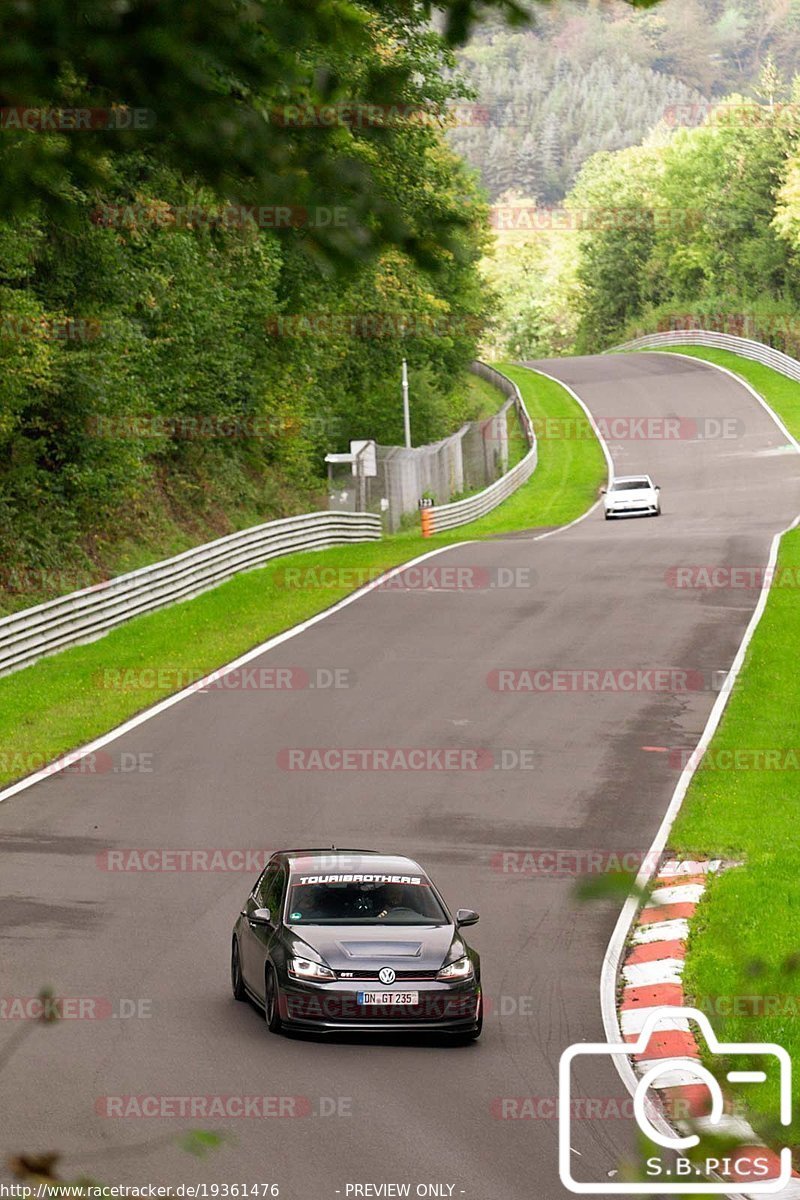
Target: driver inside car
(391,900)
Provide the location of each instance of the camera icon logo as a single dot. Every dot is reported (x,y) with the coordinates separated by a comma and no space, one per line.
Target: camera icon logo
(652,1123)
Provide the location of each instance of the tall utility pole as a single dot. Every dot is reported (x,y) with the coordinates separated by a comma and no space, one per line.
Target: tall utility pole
(406,414)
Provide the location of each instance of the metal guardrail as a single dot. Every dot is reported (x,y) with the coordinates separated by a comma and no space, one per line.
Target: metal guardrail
(756,351)
(460,512)
(86,615)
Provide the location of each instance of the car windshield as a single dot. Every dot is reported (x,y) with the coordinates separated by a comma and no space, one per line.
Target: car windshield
(629,485)
(363,902)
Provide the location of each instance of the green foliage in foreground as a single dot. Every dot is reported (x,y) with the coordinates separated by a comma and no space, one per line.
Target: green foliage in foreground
(207,86)
(194,310)
(60,702)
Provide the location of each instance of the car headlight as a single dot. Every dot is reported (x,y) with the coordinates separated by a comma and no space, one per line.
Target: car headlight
(304,968)
(460,969)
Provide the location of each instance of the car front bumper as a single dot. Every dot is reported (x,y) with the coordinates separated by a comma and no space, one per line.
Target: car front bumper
(334,1007)
(638,510)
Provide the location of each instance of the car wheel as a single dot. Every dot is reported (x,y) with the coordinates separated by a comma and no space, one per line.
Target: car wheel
(658,511)
(608,516)
(237,980)
(271,1011)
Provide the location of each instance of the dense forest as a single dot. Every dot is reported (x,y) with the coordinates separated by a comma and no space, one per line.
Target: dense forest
(597,76)
(204,289)
(215,280)
(164,353)
(726,256)
(693,228)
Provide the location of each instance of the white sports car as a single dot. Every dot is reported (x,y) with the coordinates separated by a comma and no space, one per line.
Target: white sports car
(631,495)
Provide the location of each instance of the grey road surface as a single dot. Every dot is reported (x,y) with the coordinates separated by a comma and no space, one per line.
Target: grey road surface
(596,596)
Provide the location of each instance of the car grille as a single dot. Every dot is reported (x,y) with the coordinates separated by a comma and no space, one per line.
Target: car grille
(370,976)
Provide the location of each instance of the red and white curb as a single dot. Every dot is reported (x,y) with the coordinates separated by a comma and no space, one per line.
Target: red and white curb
(651,980)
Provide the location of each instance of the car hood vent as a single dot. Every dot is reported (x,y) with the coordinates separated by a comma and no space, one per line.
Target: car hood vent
(353,949)
(378,949)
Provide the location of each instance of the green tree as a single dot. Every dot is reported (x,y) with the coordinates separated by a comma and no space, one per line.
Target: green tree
(613,202)
(218,79)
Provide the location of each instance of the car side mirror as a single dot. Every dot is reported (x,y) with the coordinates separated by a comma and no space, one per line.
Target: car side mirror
(466,916)
(658,487)
(260,916)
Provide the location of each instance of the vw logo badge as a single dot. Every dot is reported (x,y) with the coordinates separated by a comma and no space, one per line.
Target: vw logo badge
(386,975)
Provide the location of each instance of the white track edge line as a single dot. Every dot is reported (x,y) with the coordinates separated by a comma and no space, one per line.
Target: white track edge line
(65,760)
(739,379)
(616,945)
(603,446)
(72,756)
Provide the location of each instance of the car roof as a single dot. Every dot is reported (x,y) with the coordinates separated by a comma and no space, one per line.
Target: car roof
(330,861)
(321,850)
(629,478)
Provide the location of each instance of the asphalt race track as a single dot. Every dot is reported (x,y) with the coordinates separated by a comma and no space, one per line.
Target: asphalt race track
(596,596)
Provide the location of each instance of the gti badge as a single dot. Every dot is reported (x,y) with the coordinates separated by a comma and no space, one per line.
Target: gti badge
(386,975)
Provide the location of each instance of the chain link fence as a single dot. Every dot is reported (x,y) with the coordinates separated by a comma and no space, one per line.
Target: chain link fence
(466,461)
(436,518)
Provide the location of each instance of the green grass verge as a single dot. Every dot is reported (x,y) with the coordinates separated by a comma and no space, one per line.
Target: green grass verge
(481,398)
(570,470)
(744,950)
(171,520)
(782,394)
(64,701)
(517,442)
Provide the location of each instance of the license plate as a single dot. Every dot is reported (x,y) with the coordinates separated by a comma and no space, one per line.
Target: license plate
(385,999)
